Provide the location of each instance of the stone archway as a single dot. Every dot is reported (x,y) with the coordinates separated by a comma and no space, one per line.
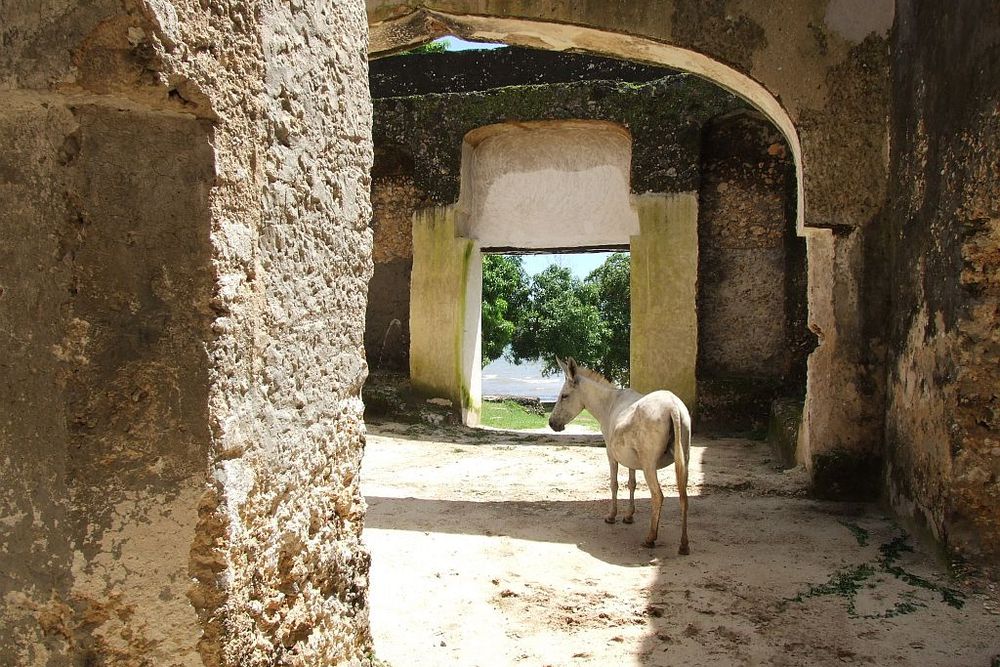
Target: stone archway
(820,71)
(842,409)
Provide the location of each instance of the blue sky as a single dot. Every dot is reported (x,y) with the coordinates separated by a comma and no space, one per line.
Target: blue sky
(581,264)
(456,44)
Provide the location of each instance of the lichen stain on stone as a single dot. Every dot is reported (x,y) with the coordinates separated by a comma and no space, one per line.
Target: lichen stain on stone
(918,428)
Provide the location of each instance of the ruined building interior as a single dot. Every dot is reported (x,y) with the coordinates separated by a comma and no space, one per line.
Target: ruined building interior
(210,215)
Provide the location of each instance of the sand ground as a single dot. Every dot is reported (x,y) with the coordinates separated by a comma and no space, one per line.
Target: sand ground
(489,548)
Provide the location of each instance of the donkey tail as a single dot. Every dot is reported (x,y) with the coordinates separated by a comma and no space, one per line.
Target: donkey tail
(682,444)
(682,449)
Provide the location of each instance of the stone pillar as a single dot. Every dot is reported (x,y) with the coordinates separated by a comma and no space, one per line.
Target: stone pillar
(664,340)
(844,405)
(445,304)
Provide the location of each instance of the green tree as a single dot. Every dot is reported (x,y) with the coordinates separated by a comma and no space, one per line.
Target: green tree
(557,314)
(505,296)
(611,288)
(561,319)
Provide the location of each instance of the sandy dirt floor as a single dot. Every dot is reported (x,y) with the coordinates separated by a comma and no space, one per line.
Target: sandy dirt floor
(489,548)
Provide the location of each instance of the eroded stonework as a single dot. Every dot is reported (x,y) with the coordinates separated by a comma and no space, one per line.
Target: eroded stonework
(944,229)
(185,256)
(192,189)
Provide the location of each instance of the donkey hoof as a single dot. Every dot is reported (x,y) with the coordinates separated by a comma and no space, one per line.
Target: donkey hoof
(649,544)
(684,551)
(628,519)
(609,519)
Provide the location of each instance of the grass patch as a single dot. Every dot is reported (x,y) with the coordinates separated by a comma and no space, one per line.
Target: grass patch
(860,534)
(510,415)
(848,582)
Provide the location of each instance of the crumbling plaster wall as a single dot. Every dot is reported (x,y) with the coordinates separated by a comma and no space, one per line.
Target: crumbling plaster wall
(943,277)
(547,184)
(395,197)
(188,194)
(820,70)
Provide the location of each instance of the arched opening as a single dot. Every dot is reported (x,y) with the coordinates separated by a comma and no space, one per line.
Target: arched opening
(538,306)
(386,37)
(523,184)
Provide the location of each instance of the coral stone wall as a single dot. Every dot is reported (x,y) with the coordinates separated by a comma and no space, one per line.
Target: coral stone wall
(183,209)
(34,428)
(943,275)
(395,197)
(752,332)
(467,71)
(119,453)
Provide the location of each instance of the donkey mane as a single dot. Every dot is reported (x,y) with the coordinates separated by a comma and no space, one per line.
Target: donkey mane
(593,375)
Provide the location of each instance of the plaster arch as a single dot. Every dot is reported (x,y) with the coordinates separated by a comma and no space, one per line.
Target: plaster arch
(819,69)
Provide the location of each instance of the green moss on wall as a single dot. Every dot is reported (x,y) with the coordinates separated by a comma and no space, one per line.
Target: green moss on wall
(664,116)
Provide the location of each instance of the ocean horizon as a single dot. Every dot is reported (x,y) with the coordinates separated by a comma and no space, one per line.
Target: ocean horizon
(526,379)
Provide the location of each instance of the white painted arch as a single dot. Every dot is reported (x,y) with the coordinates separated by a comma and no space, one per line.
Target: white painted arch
(384,37)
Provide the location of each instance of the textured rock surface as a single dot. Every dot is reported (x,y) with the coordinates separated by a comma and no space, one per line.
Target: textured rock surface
(943,417)
(187,213)
(465,71)
(752,335)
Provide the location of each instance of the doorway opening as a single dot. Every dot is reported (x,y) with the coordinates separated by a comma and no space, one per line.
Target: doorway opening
(538,306)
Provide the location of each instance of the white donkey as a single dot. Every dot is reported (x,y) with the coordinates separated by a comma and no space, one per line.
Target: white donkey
(641,431)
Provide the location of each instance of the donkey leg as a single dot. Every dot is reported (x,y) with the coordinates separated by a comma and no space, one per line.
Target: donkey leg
(684,550)
(610,518)
(657,493)
(631,497)
(683,495)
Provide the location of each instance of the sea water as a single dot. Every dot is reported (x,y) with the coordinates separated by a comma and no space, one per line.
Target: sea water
(526,379)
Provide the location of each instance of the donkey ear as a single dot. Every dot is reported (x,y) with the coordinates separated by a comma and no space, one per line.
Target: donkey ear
(562,364)
(571,368)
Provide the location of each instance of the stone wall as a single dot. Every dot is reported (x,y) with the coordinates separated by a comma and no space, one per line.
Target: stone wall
(107,279)
(418,159)
(664,117)
(753,339)
(185,259)
(942,243)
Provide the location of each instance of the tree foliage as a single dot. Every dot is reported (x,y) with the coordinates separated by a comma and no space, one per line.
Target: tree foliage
(555,313)
(611,283)
(505,296)
(561,319)
(429,47)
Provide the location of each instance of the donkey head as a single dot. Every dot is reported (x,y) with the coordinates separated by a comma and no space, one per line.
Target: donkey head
(570,403)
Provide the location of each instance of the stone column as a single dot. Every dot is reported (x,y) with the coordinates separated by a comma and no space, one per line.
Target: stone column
(445,304)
